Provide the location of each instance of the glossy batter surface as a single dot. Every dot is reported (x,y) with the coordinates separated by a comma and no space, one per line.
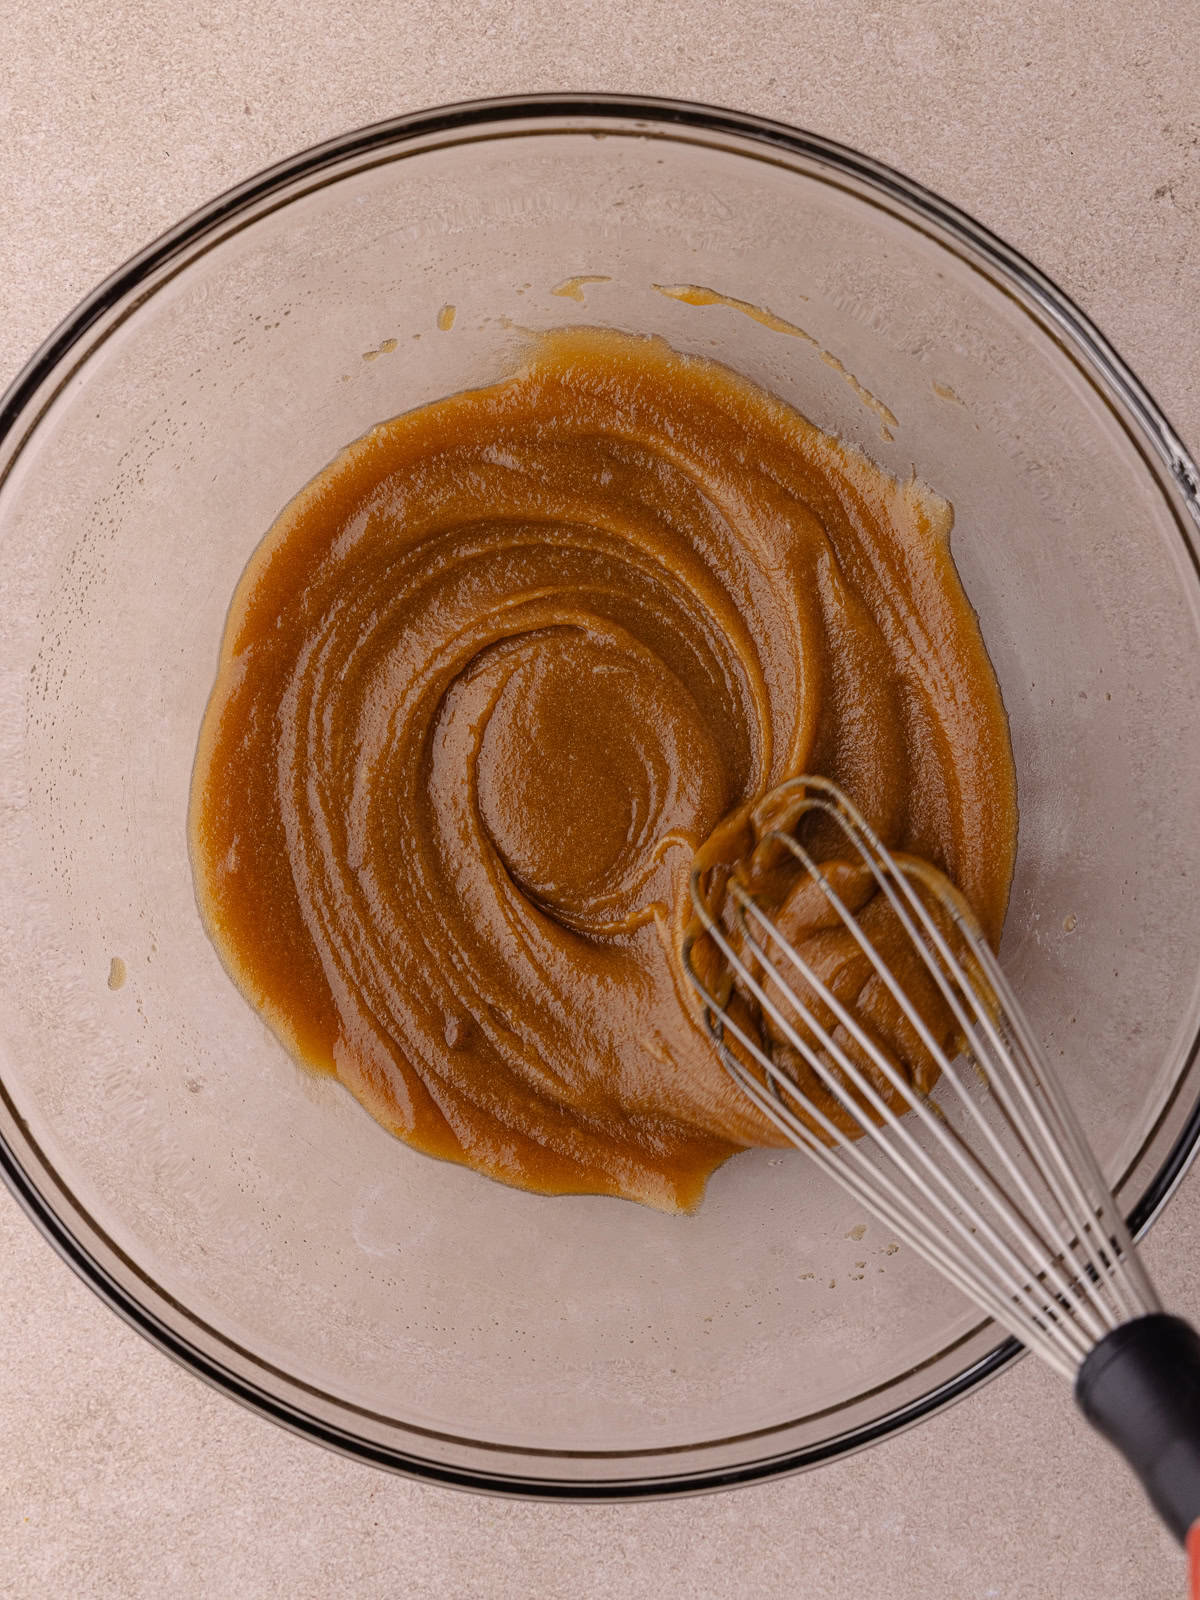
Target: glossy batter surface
(493,677)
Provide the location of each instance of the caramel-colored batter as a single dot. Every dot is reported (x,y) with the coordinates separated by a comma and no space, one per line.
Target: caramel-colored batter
(749,852)
(489,682)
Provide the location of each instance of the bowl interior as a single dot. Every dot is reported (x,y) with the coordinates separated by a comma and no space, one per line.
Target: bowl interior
(413,1309)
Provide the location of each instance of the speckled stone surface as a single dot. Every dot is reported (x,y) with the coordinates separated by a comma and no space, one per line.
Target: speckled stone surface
(1074,131)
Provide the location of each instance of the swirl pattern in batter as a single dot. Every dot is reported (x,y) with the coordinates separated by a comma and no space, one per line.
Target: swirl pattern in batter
(490,681)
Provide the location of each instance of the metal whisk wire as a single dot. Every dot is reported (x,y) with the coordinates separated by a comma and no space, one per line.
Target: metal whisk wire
(1012,1206)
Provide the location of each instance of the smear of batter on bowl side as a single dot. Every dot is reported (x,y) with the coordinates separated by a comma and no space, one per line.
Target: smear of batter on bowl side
(491,679)
(695,294)
(572,288)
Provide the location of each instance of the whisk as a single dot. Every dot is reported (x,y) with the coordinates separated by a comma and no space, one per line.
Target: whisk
(987,1175)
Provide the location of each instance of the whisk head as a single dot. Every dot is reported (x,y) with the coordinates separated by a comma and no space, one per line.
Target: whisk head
(973,1157)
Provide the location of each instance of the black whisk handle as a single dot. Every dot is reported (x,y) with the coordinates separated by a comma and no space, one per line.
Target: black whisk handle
(1140,1388)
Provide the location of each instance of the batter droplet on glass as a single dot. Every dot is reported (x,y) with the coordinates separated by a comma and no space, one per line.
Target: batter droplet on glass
(492,678)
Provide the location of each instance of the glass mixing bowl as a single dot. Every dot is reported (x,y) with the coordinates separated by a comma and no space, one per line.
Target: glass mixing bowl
(253,1220)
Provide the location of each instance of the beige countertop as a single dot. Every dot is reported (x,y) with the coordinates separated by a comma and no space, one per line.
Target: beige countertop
(1073,131)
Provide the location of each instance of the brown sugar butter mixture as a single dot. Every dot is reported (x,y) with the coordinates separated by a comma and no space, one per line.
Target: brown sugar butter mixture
(491,680)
